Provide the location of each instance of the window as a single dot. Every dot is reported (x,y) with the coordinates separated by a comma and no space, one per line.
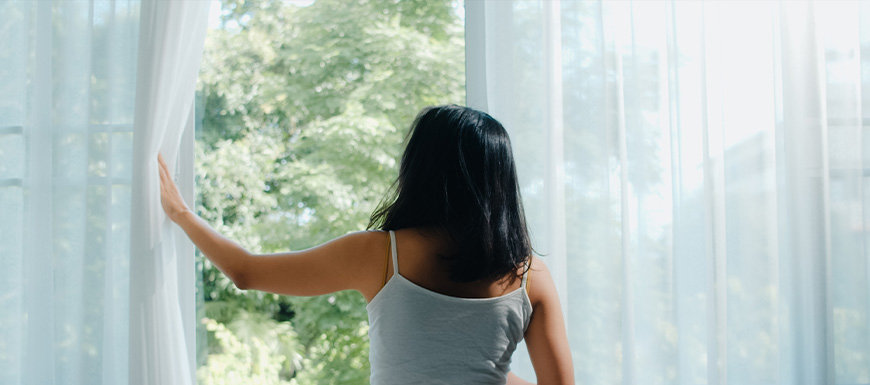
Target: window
(303,106)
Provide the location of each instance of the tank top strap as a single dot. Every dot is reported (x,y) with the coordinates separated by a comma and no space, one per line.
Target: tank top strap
(526,273)
(393,252)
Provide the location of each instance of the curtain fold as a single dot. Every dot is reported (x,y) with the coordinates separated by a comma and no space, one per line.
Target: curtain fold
(706,164)
(66,111)
(170,49)
(91,288)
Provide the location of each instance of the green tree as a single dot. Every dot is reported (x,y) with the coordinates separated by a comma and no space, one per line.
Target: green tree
(304,112)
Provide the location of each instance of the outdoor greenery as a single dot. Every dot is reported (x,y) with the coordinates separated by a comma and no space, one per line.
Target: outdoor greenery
(304,109)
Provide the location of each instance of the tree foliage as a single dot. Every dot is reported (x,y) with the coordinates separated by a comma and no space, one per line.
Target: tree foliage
(303,114)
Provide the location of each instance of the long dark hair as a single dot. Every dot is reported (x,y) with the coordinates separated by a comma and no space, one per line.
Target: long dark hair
(458,176)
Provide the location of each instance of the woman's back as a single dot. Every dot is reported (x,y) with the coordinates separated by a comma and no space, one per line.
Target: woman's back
(426,329)
(449,314)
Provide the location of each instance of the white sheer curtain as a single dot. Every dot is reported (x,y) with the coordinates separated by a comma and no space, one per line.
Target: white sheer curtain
(697,175)
(162,278)
(71,176)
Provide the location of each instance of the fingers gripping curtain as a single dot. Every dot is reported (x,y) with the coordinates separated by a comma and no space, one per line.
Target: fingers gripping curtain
(170,48)
(696,175)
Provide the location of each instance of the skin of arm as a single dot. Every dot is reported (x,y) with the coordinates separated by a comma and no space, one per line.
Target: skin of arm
(546,337)
(341,264)
(513,379)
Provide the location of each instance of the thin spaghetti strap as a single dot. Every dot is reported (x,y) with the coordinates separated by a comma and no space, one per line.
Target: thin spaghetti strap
(393,250)
(386,262)
(525,284)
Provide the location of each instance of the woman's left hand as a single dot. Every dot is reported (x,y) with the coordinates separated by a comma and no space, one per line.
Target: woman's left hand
(170,198)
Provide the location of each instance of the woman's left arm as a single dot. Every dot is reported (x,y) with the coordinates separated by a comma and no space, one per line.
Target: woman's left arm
(340,264)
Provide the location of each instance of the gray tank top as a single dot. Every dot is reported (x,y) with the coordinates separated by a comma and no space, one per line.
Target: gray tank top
(419,336)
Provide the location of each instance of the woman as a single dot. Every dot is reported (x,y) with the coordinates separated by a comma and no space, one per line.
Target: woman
(449,279)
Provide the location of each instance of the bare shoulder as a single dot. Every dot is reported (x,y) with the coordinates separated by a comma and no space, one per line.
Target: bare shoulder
(366,240)
(366,247)
(540,283)
(369,250)
(547,337)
